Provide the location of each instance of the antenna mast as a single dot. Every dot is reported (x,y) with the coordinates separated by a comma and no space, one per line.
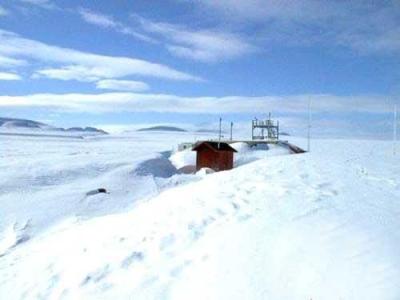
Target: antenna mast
(394,129)
(309,126)
(220,131)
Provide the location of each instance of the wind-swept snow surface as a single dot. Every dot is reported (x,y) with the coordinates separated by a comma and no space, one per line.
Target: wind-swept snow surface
(321,225)
(244,155)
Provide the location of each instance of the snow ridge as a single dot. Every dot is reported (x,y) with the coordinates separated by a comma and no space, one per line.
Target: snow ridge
(280,227)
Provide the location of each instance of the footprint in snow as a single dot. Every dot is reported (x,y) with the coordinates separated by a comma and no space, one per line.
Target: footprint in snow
(322,185)
(167,241)
(246,201)
(220,212)
(235,206)
(304,176)
(135,256)
(245,217)
(195,230)
(208,221)
(175,272)
(96,276)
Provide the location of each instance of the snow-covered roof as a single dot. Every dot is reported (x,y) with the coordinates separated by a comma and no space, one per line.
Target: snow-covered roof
(215,146)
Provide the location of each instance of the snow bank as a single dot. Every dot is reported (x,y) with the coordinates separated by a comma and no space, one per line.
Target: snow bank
(13,236)
(45,180)
(183,158)
(321,225)
(240,147)
(244,155)
(247,154)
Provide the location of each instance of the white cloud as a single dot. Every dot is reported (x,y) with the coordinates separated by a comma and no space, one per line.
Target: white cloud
(201,45)
(364,26)
(7,62)
(105,21)
(73,72)
(9,76)
(374,31)
(41,3)
(78,65)
(97,19)
(134,102)
(3,11)
(260,10)
(122,85)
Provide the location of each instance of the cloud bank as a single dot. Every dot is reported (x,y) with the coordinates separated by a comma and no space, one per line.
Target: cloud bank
(164,103)
(70,64)
(9,76)
(108,22)
(205,45)
(367,27)
(122,85)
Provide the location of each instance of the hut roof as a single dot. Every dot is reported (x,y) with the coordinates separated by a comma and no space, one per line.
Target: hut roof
(215,146)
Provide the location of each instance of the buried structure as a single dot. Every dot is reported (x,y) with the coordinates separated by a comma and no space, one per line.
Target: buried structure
(214,155)
(218,155)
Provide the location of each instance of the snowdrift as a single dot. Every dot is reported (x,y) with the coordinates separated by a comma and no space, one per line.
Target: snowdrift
(321,225)
(244,155)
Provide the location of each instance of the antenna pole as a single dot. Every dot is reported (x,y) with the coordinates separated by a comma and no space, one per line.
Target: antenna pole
(394,129)
(309,126)
(278,130)
(253,123)
(220,129)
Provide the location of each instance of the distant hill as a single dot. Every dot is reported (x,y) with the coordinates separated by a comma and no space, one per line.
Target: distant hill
(22,124)
(86,129)
(284,133)
(163,128)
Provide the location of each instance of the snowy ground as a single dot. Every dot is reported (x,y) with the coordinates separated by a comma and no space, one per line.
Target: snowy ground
(321,225)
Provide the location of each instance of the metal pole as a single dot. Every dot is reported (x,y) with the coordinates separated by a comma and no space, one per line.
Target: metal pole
(278,131)
(394,129)
(231,129)
(309,126)
(220,129)
(253,122)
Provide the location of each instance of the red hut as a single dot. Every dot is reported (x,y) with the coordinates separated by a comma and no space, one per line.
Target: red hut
(214,155)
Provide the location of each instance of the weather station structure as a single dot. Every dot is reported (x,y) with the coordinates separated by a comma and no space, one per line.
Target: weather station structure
(218,154)
(265,130)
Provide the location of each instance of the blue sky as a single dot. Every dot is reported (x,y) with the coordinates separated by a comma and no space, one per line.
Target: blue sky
(174,61)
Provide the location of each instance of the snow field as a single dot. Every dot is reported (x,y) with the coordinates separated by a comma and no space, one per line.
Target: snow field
(44,180)
(321,225)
